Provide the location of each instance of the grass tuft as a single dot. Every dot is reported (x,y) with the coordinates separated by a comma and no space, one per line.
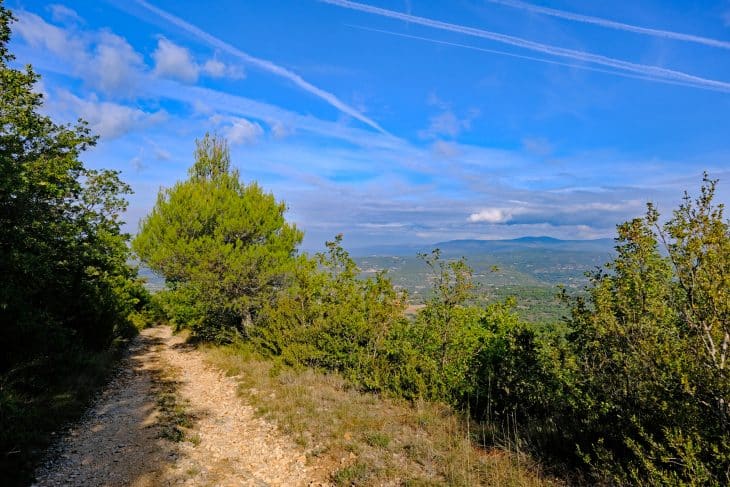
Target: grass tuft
(356,474)
(175,418)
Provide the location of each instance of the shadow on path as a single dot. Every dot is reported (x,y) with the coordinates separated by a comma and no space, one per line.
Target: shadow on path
(130,436)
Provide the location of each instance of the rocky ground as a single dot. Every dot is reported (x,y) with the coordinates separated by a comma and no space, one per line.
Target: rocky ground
(169,419)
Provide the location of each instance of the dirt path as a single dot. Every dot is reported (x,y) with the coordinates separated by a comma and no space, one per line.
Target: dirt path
(164,393)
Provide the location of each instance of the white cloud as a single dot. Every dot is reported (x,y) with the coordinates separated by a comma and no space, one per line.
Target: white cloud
(444,124)
(279,130)
(103,60)
(116,66)
(447,124)
(218,69)
(106,62)
(200,107)
(588,232)
(214,68)
(106,119)
(242,131)
(63,14)
(491,215)
(175,62)
(40,34)
(558,212)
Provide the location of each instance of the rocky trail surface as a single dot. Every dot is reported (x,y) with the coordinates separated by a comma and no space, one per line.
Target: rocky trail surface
(167,418)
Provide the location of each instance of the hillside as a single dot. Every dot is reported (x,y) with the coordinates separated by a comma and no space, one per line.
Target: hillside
(529,268)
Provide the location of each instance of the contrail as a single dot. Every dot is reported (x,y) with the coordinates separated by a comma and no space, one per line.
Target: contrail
(645,70)
(666,34)
(262,64)
(522,56)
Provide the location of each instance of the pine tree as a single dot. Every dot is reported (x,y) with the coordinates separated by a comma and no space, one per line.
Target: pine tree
(224,247)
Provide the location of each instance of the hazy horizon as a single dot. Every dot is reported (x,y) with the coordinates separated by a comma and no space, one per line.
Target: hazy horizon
(406,245)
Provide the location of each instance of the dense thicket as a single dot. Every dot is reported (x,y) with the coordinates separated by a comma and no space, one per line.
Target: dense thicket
(647,372)
(637,391)
(66,290)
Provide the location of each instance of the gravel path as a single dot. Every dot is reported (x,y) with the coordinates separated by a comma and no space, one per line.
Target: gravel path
(124,439)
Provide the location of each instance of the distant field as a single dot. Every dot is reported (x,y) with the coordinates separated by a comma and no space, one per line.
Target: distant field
(530,269)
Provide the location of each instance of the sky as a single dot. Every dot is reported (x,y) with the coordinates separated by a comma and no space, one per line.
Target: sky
(401,122)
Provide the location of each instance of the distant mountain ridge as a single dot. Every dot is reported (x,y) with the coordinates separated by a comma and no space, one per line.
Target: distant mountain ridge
(472,246)
(542,239)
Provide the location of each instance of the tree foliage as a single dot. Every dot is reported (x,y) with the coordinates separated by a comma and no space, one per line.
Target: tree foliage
(63,258)
(223,247)
(433,354)
(648,378)
(330,318)
(66,291)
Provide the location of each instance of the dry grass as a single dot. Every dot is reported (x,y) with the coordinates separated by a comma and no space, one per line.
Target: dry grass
(367,439)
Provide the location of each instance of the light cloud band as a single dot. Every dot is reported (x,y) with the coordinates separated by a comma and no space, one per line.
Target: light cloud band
(261,64)
(610,24)
(642,69)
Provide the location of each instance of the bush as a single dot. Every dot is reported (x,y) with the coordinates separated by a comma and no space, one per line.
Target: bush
(329,318)
(647,369)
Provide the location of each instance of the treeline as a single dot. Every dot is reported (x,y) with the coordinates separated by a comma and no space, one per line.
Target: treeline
(632,389)
(66,291)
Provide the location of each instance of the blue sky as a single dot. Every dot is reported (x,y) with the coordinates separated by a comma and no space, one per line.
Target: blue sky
(399,121)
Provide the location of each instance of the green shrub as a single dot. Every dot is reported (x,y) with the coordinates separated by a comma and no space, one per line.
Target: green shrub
(330,318)
(647,370)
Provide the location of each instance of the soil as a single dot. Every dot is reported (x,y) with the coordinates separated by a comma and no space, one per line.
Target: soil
(167,418)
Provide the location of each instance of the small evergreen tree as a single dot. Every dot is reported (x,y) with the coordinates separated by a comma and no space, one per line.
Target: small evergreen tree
(223,247)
